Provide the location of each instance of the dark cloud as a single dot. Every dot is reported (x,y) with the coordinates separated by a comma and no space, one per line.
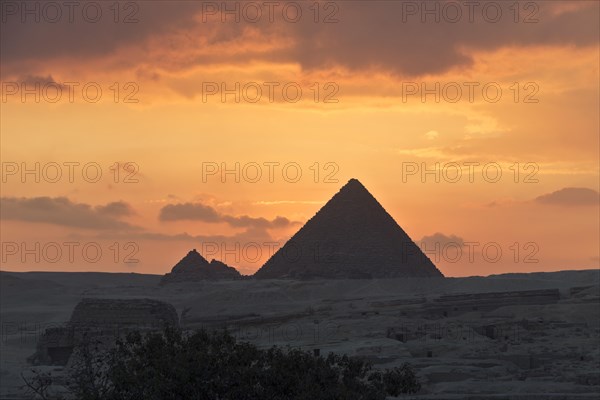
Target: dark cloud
(369,35)
(116,209)
(33,80)
(246,221)
(201,212)
(62,211)
(189,211)
(373,34)
(40,38)
(441,240)
(571,197)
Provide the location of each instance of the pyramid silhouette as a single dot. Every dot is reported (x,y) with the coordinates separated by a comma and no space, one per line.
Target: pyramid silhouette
(194,267)
(352,236)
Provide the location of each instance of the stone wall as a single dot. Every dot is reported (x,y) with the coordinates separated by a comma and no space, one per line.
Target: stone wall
(144,313)
(103,320)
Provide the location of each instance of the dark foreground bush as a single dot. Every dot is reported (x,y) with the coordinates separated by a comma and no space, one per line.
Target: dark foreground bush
(213,365)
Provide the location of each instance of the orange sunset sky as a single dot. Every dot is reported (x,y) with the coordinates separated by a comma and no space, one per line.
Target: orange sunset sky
(386,92)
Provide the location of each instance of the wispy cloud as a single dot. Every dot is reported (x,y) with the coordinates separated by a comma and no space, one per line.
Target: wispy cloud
(570,197)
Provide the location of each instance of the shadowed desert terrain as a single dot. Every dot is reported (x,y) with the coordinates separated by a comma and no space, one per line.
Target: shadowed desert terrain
(527,336)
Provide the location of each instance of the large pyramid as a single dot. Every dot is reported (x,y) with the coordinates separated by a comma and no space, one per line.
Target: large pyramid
(352,236)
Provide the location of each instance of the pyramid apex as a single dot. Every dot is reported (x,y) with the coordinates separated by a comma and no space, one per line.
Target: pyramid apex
(354,184)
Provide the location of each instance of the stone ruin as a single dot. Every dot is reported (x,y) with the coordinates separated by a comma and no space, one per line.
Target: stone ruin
(104,320)
(193,267)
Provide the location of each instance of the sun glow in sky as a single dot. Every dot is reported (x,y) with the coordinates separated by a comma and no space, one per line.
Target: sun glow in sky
(155,127)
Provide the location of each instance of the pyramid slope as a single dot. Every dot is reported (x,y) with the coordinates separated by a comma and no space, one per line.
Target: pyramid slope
(352,236)
(190,263)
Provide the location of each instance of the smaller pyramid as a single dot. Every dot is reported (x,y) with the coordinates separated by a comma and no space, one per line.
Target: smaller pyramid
(193,267)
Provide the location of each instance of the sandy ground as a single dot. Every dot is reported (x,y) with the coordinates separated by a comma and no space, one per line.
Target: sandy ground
(544,351)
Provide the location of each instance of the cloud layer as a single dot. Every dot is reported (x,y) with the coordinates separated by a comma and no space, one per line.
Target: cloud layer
(362,35)
(63,212)
(204,213)
(571,197)
(441,240)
